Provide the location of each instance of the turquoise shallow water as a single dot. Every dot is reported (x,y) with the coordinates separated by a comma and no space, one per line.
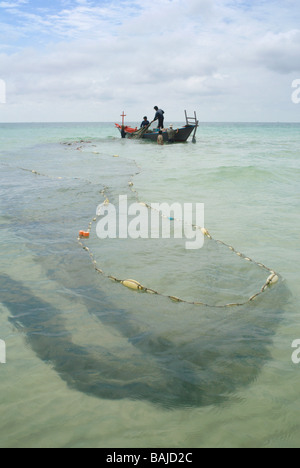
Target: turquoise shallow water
(90,363)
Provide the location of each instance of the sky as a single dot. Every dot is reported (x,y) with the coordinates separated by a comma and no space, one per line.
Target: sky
(87,61)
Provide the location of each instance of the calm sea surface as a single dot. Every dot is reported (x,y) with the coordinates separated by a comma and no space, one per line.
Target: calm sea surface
(93,364)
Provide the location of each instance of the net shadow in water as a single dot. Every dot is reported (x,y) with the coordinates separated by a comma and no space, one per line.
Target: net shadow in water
(171,368)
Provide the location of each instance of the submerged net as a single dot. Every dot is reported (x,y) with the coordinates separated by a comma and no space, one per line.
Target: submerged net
(220,273)
(141,132)
(132,347)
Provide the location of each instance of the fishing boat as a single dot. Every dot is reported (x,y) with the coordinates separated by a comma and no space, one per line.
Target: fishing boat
(181,134)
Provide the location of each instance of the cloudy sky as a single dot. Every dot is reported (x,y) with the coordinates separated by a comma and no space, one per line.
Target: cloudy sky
(88,60)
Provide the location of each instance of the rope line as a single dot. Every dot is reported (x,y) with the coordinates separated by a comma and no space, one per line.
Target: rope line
(34,172)
(134,285)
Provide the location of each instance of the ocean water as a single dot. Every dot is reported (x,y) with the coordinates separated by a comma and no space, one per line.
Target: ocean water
(90,363)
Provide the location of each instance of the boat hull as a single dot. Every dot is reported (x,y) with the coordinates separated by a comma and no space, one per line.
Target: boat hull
(182,134)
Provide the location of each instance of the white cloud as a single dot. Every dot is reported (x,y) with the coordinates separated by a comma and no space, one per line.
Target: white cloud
(15,4)
(280,52)
(202,54)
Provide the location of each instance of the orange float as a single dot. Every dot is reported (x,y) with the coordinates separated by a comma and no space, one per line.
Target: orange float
(84,234)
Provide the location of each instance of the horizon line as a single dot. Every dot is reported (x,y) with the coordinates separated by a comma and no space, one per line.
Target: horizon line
(133,121)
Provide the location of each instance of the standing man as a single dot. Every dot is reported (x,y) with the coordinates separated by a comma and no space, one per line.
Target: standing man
(160,117)
(123,133)
(171,134)
(160,138)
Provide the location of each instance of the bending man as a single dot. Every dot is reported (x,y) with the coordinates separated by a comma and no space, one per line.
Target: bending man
(160,117)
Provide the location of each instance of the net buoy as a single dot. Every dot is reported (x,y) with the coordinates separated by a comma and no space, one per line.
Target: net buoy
(205,232)
(273,279)
(132,284)
(175,299)
(84,234)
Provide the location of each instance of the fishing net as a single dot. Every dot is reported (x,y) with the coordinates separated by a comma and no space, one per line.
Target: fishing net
(228,278)
(141,132)
(102,340)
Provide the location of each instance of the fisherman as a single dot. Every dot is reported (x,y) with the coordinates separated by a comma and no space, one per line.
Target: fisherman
(160,138)
(145,122)
(123,133)
(171,134)
(159,116)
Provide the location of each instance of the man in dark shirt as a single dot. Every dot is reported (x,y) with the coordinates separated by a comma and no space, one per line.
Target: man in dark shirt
(123,133)
(145,122)
(160,117)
